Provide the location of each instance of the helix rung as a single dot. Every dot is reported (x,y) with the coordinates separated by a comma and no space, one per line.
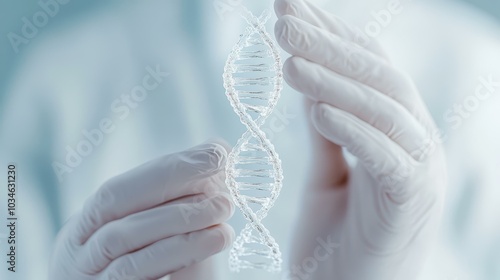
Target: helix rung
(254,173)
(254,42)
(259,67)
(248,72)
(253,239)
(256,95)
(255,186)
(255,252)
(252,147)
(254,54)
(254,265)
(256,200)
(253,97)
(252,92)
(255,108)
(253,160)
(259,81)
(247,61)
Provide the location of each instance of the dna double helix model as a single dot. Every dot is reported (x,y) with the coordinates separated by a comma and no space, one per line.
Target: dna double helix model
(253,81)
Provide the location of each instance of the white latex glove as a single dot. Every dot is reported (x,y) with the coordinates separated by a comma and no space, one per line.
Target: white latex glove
(158,219)
(375,219)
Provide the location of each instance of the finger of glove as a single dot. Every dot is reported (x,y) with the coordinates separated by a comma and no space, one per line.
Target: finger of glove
(141,229)
(377,152)
(151,184)
(171,254)
(323,85)
(330,167)
(300,38)
(321,18)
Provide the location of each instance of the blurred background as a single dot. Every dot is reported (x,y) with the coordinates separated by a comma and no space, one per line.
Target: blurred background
(12,12)
(64,79)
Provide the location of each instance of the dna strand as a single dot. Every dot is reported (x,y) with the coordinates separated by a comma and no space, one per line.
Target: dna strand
(253,81)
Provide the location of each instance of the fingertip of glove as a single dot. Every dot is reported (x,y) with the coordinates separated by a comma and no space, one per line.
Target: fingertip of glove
(292,69)
(319,112)
(217,155)
(228,235)
(324,116)
(278,29)
(221,142)
(284,7)
(211,154)
(284,27)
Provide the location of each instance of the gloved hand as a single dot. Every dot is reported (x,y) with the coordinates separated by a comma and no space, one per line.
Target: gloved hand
(374,218)
(161,218)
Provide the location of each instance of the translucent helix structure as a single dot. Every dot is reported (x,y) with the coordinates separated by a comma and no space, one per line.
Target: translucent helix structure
(253,81)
